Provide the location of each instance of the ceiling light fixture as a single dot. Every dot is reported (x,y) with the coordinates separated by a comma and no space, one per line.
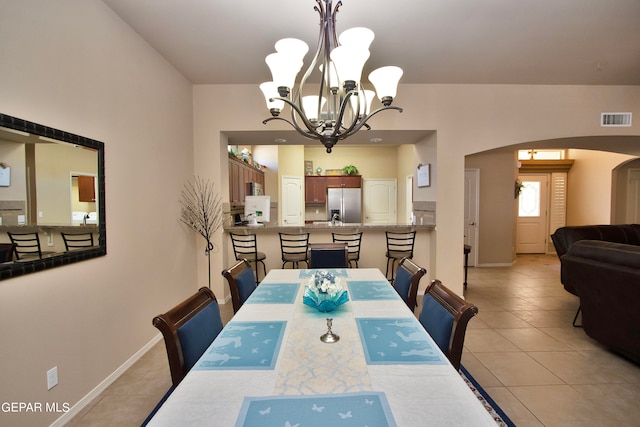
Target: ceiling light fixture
(342,105)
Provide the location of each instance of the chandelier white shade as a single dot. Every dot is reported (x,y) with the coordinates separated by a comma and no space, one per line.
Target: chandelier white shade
(341,106)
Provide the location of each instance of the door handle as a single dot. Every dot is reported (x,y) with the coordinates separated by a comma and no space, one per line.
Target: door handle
(472,223)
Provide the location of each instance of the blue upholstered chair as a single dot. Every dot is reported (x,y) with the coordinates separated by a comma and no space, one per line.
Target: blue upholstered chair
(445,317)
(188,330)
(407,279)
(241,283)
(328,255)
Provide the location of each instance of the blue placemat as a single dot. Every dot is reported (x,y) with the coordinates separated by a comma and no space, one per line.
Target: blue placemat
(365,290)
(397,341)
(348,410)
(244,345)
(274,293)
(338,272)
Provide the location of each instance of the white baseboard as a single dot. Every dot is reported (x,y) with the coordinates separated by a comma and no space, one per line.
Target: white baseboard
(497,264)
(78,407)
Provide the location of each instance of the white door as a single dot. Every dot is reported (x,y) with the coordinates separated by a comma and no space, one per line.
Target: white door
(633,196)
(471,194)
(379,201)
(531,233)
(409,198)
(291,210)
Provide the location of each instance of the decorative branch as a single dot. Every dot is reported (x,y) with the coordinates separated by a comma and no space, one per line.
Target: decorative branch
(201,209)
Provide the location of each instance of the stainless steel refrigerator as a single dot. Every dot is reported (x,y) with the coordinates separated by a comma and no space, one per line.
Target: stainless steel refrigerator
(346,202)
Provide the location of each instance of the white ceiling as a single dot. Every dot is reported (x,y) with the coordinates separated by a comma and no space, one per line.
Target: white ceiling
(590,42)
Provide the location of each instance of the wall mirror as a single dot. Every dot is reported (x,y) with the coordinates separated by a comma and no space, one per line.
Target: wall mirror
(51,184)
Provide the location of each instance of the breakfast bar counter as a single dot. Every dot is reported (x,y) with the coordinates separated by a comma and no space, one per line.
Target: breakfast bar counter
(372,250)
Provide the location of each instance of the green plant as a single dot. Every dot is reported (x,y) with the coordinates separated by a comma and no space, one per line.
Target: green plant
(518,188)
(350,170)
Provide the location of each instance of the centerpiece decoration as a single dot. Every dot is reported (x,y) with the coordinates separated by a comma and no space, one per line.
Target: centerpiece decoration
(324,292)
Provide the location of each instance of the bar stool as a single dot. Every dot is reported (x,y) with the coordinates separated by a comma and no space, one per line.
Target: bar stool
(353,241)
(245,246)
(294,248)
(399,245)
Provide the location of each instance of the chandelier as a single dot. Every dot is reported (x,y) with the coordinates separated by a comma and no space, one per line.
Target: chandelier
(342,106)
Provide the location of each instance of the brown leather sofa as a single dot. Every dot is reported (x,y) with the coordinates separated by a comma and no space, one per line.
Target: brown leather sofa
(601,265)
(565,237)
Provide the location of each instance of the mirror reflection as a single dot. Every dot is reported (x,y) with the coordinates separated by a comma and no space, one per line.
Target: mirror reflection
(51,197)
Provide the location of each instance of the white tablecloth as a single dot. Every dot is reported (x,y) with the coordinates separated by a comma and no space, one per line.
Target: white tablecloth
(419,394)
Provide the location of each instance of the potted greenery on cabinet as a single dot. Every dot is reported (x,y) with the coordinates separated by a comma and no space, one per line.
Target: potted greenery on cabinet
(350,170)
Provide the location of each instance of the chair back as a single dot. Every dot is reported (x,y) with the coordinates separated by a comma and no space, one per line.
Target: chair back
(353,241)
(406,281)
(7,252)
(188,330)
(445,317)
(328,255)
(400,244)
(241,281)
(245,246)
(77,240)
(294,248)
(27,244)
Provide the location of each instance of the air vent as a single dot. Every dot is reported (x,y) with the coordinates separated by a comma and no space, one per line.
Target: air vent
(615,120)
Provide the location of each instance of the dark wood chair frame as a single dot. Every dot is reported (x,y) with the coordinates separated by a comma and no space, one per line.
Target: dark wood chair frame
(461,310)
(416,273)
(399,245)
(353,240)
(294,248)
(325,247)
(169,323)
(231,274)
(245,246)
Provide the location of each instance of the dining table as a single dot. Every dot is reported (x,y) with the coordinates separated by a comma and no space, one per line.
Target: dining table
(270,367)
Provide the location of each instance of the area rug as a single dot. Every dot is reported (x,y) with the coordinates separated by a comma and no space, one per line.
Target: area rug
(489,404)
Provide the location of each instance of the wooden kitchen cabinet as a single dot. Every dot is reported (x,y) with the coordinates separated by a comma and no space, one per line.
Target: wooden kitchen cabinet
(344,181)
(315,189)
(316,186)
(352,181)
(86,189)
(241,173)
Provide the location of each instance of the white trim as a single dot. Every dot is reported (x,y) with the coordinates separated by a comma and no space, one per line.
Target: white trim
(88,398)
(497,264)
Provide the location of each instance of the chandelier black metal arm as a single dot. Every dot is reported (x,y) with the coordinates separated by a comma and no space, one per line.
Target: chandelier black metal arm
(325,122)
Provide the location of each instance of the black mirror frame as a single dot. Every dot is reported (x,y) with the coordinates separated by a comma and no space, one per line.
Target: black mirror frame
(14,269)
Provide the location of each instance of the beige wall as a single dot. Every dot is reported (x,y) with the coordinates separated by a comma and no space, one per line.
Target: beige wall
(13,155)
(590,182)
(73,65)
(467,119)
(497,206)
(54,165)
(619,212)
(95,77)
(379,162)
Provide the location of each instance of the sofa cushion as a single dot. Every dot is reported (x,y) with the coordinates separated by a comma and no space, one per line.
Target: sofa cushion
(564,237)
(606,277)
(616,254)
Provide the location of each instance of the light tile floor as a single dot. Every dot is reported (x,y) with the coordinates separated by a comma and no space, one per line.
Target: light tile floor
(521,348)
